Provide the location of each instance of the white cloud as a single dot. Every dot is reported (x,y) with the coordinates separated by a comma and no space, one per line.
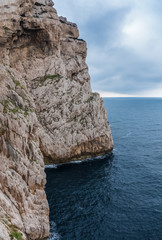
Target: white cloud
(84,10)
(142,32)
(132,46)
(114,94)
(137,31)
(155,92)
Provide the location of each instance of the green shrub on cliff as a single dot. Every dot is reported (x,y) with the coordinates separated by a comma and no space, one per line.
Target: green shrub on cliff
(16,235)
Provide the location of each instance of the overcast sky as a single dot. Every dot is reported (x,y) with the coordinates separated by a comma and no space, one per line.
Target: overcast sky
(124,39)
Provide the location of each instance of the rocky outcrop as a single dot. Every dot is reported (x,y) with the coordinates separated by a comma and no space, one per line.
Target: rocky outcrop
(48,112)
(23,204)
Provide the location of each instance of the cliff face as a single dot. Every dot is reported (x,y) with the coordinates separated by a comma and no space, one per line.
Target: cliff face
(47,110)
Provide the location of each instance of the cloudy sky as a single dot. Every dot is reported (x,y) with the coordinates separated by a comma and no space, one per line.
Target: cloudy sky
(124,39)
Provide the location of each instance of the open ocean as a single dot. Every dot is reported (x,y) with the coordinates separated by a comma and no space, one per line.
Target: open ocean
(118,196)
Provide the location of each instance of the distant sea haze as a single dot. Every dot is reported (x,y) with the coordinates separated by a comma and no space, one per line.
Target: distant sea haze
(118,196)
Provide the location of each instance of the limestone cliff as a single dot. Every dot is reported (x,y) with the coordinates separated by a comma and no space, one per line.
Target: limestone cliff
(48,112)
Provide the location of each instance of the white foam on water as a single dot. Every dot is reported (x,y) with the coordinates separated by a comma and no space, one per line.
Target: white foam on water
(79,161)
(51,166)
(54,166)
(89,159)
(115,150)
(127,135)
(54,234)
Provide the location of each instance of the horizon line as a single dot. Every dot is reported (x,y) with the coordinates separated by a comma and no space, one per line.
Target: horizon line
(105,94)
(131,97)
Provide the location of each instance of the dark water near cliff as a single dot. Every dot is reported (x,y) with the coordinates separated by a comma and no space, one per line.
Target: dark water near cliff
(118,196)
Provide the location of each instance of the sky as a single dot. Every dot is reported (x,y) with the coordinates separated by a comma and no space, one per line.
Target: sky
(124,40)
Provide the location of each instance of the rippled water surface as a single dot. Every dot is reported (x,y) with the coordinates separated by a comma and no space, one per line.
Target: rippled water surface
(118,196)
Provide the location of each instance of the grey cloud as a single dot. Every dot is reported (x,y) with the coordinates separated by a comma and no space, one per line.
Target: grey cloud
(124,42)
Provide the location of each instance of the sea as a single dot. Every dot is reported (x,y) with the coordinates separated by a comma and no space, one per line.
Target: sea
(117,196)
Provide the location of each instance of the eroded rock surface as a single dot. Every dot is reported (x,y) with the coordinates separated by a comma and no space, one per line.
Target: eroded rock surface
(47,110)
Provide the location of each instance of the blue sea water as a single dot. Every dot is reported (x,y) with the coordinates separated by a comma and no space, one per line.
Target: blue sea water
(118,196)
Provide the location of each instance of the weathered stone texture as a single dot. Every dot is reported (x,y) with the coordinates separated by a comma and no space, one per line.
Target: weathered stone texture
(47,110)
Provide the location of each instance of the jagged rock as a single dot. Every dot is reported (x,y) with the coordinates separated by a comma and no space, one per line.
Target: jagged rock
(47,110)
